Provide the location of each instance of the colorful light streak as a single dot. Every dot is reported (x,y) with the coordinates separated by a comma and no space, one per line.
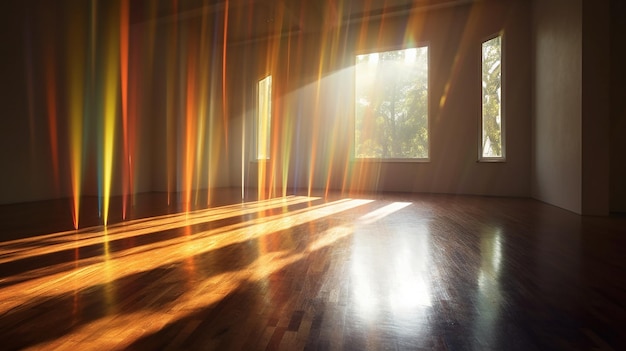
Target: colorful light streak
(277,118)
(171,104)
(76,102)
(190,128)
(124,57)
(244,158)
(224,61)
(203,114)
(51,103)
(111,91)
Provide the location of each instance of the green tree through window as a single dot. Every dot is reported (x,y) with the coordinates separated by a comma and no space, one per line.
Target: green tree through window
(492,135)
(391,93)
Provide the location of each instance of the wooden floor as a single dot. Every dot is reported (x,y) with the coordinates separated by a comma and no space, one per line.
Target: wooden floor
(370,272)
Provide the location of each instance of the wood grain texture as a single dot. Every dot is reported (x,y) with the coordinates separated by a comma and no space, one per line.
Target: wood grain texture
(366,272)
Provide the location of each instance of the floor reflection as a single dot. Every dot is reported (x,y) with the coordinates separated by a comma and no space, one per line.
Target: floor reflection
(391,269)
(489,297)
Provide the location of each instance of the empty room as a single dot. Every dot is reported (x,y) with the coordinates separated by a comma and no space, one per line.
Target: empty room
(313,175)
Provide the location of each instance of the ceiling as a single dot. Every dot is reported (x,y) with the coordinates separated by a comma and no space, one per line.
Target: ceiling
(250,20)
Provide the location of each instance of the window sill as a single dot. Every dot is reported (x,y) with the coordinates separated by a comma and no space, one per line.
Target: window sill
(391,160)
(491,160)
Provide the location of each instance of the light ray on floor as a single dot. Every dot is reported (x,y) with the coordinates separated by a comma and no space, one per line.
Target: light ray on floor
(113,266)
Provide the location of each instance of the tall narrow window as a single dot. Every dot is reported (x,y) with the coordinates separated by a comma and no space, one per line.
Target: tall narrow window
(492,145)
(391,107)
(264,118)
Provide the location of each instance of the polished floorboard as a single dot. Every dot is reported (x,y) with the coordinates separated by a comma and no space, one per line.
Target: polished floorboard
(336,272)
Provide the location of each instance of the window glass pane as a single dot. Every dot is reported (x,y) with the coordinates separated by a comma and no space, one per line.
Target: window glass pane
(391,120)
(492,146)
(264,118)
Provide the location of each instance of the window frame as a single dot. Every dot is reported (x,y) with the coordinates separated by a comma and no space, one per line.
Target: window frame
(381,50)
(503,158)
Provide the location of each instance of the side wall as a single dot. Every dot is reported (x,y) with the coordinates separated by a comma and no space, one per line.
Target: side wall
(557,151)
(618,108)
(596,107)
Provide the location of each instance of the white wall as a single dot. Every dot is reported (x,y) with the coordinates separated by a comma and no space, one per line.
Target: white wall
(572,110)
(557,122)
